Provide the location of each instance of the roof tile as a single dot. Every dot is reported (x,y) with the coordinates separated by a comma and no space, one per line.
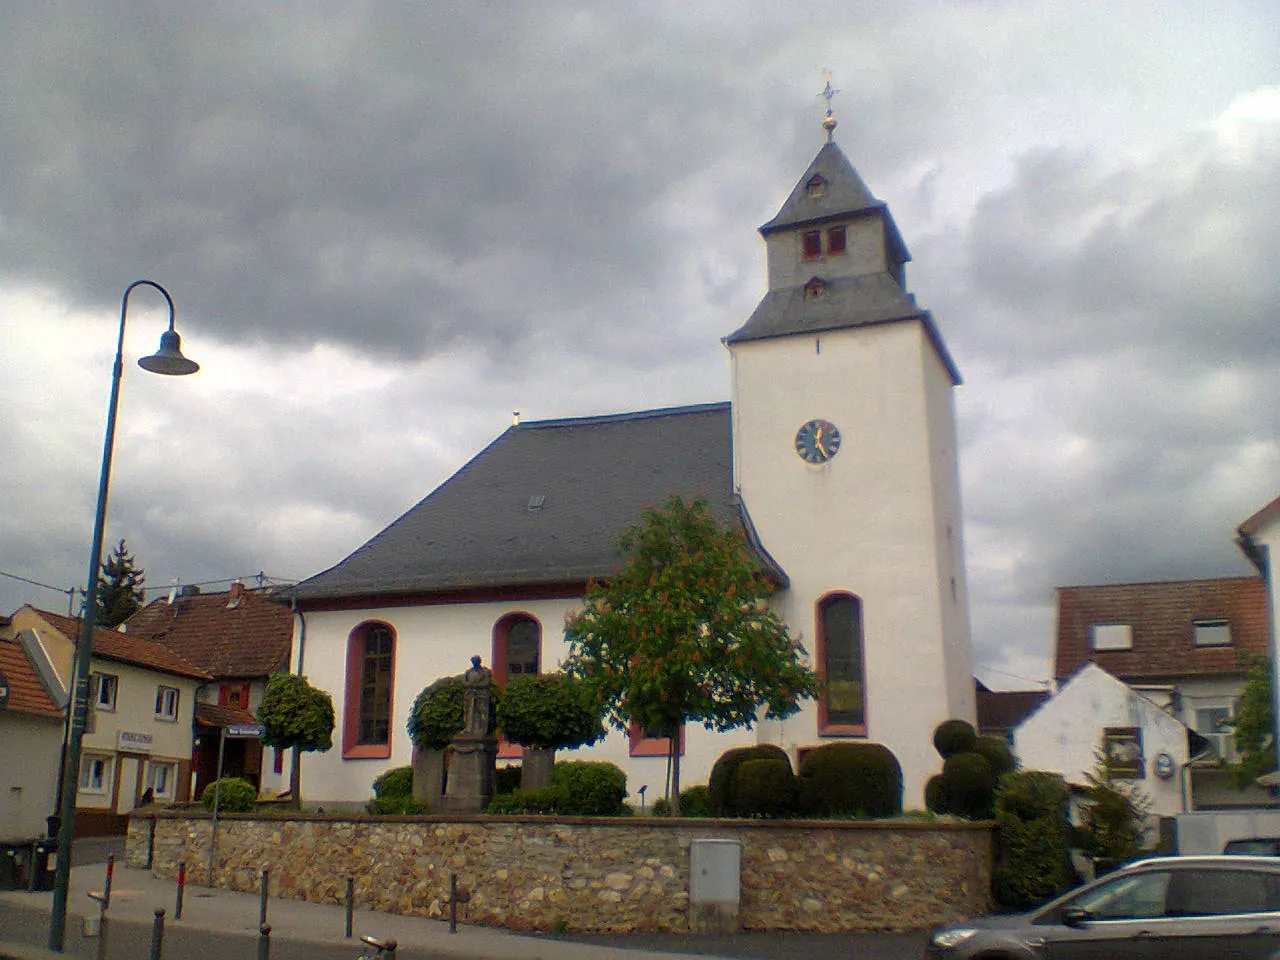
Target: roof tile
(250,638)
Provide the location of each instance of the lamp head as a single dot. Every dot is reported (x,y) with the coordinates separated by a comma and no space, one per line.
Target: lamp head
(169,360)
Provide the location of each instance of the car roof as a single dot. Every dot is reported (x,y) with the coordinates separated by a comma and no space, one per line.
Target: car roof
(1206,860)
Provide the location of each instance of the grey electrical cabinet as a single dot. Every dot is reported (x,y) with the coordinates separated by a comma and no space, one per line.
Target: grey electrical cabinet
(715,885)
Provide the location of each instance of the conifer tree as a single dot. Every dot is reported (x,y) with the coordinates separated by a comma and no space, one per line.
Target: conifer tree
(120,593)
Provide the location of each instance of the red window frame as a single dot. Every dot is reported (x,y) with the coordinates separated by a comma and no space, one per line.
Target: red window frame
(352,749)
(826,727)
(277,760)
(500,661)
(811,244)
(640,745)
(241,692)
(836,240)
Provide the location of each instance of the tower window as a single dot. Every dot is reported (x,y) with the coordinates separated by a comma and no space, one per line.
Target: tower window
(816,186)
(814,289)
(811,244)
(835,240)
(842,702)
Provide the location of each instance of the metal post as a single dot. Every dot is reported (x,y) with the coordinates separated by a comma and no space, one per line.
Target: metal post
(264,942)
(151,841)
(106,889)
(262,896)
(453,903)
(157,935)
(182,887)
(217,801)
(351,902)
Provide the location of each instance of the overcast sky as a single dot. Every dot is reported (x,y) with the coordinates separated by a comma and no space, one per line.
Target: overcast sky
(386,226)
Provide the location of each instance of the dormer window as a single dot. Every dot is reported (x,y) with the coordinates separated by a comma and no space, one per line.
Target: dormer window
(835,240)
(811,244)
(816,186)
(815,288)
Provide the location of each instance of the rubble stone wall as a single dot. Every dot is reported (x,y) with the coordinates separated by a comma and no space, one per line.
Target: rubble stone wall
(585,874)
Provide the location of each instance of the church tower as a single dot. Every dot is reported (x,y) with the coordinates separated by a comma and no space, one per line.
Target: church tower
(844,454)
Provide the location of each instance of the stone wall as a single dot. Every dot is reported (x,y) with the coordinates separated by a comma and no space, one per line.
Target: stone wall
(586,874)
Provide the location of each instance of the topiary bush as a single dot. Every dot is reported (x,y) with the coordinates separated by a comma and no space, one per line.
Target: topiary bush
(718,802)
(550,711)
(970,786)
(436,717)
(850,780)
(1032,839)
(590,788)
(997,753)
(396,782)
(695,801)
(954,736)
(396,805)
(935,794)
(762,788)
(971,768)
(547,800)
(237,796)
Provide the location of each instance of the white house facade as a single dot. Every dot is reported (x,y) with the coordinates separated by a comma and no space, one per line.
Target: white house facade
(836,457)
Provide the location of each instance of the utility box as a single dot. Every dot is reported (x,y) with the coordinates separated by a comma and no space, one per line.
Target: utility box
(715,885)
(44,863)
(15,865)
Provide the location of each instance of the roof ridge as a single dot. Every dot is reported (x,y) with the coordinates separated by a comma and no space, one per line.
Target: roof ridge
(1254,578)
(624,416)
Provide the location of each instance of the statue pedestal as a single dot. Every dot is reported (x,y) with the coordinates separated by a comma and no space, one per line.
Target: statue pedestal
(470,783)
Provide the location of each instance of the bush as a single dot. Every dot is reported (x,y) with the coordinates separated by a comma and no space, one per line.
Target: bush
(547,800)
(969,786)
(551,711)
(1032,848)
(695,801)
(238,796)
(661,808)
(506,779)
(763,788)
(396,782)
(590,788)
(935,794)
(718,803)
(996,751)
(850,779)
(954,736)
(398,805)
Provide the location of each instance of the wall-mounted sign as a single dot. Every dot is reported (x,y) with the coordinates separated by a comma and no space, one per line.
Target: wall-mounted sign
(133,742)
(1122,748)
(4,691)
(251,731)
(1163,766)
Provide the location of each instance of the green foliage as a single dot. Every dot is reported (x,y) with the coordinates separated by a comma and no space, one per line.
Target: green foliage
(1114,817)
(436,717)
(120,583)
(590,788)
(763,788)
(695,802)
(1032,846)
(396,782)
(997,753)
(1254,723)
(296,714)
(683,631)
(398,805)
(552,711)
(722,772)
(935,794)
(969,786)
(954,736)
(237,796)
(506,779)
(850,779)
(547,801)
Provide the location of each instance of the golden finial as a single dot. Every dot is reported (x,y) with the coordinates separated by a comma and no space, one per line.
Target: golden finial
(829,121)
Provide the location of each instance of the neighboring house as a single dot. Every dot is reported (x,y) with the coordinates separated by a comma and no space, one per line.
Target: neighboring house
(240,638)
(1259,538)
(32,719)
(1000,711)
(138,727)
(1179,643)
(836,458)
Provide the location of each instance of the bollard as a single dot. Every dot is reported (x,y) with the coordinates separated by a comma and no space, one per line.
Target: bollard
(264,942)
(157,935)
(453,903)
(182,886)
(151,841)
(262,897)
(106,890)
(351,902)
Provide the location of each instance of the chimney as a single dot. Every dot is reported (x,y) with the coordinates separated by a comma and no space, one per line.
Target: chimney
(173,591)
(233,597)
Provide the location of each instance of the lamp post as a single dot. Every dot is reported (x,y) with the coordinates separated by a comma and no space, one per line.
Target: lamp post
(168,360)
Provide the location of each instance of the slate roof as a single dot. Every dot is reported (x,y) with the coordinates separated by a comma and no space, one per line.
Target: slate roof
(27,693)
(1162,617)
(999,711)
(843,194)
(251,638)
(542,504)
(114,645)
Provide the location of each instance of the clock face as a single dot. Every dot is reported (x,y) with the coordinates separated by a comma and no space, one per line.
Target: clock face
(817,441)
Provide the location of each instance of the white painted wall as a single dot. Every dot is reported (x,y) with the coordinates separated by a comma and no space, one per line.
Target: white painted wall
(30,750)
(1064,734)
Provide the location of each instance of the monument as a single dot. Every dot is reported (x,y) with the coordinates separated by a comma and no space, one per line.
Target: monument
(475,749)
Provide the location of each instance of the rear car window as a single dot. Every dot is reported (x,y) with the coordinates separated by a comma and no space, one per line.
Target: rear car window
(1213,893)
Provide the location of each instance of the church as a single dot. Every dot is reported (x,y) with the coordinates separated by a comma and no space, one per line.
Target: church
(836,456)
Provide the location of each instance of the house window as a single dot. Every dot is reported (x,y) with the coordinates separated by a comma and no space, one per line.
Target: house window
(1214,724)
(517,647)
(835,240)
(1212,633)
(366,728)
(811,244)
(166,703)
(161,778)
(842,700)
(651,743)
(95,773)
(104,687)
(1111,636)
(234,695)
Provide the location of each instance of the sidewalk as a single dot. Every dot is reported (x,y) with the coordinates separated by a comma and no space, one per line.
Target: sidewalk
(136,895)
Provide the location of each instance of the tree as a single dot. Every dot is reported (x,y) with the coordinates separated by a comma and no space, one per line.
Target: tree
(120,593)
(683,632)
(1114,816)
(546,712)
(296,714)
(1254,726)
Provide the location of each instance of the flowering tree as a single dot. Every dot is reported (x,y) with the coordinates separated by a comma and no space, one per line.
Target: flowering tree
(683,632)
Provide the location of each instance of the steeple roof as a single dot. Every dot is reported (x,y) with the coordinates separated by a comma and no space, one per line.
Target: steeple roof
(842,193)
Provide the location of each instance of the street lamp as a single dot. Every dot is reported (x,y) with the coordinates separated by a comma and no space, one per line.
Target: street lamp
(168,360)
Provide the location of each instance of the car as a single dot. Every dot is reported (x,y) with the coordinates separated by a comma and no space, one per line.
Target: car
(1171,908)
(1253,846)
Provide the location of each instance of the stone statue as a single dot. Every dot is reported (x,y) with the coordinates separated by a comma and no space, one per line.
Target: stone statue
(476,700)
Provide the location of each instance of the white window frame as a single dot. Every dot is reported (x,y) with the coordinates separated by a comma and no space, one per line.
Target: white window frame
(1211,632)
(1111,636)
(88,762)
(167,699)
(1224,741)
(107,684)
(169,772)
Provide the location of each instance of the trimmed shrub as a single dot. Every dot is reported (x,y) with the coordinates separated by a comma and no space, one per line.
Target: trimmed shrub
(954,736)
(590,788)
(718,803)
(969,785)
(661,808)
(1032,848)
(396,782)
(695,801)
(397,805)
(551,711)
(850,779)
(436,716)
(935,794)
(506,779)
(997,753)
(547,800)
(762,788)
(238,796)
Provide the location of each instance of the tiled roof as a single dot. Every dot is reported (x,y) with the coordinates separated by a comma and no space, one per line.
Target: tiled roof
(27,694)
(542,504)
(1001,710)
(114,645)
(1161,617)
(212,715)
(251,638)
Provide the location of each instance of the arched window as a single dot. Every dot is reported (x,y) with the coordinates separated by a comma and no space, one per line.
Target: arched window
(371,655)
(842,703)
(517,647)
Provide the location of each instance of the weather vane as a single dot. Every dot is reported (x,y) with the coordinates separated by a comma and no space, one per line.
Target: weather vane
(828,92)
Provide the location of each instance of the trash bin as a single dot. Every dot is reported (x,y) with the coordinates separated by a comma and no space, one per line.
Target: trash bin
(44,863)
(15,864)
